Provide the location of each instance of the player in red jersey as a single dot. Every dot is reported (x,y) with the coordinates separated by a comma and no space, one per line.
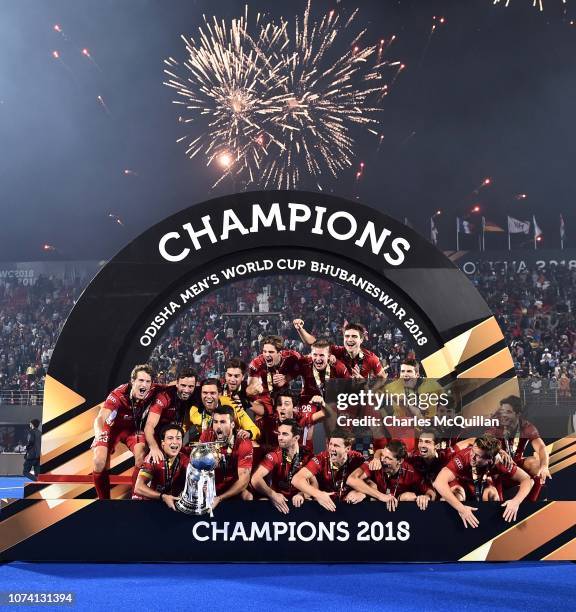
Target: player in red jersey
(429,458)
(396,480)
(273,369)
(331,469)
(279,467)
(232,474)
(514,434)
(121,419)
(175,410)
(475,473)
(316,371)
(284,408)
(165,479)
(360,363)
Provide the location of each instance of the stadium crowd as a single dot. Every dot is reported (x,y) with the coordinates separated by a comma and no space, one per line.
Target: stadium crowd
(535,310)
(30,320)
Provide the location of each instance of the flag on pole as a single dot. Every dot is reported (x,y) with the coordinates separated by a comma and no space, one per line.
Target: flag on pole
(433,231)
(537,230)
(515,226)
(463,226)
(562,229)
(488,226)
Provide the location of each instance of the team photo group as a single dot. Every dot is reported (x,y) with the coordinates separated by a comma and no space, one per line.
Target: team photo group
(261,418)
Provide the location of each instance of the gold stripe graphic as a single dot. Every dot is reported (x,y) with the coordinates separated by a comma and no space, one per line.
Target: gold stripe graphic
(566,552)
(463,347)
(36,518)
(527,535)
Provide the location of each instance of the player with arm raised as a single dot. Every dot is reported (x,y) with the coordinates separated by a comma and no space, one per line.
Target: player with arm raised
(360,362)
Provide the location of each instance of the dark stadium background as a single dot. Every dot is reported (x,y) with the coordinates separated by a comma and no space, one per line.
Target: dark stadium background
(491,96)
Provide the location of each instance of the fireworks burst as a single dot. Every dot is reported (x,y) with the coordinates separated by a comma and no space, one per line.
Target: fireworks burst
(229,86)
(271,101)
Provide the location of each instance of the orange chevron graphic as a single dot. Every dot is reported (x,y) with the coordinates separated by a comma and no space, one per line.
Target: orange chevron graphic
(58,399)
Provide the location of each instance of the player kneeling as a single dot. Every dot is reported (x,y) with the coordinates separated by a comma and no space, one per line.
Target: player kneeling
(476,474)
(232,474)
(331,469)
(164,479)
(279,467)
(396,480)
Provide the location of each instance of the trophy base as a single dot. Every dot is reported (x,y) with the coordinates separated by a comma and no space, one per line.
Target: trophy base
(188,508)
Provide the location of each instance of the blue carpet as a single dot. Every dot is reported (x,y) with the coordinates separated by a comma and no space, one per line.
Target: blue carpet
(261,588)
(12,486)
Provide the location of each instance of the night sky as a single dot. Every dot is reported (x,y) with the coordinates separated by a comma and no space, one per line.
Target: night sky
(492,95)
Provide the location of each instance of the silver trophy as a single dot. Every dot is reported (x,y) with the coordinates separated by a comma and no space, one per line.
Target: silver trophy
(200,488)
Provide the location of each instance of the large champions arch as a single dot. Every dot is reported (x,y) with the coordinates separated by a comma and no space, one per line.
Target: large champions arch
(141,291)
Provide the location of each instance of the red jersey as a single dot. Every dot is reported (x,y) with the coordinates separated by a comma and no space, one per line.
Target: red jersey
(429,469)
(406,480)
(127,413)
(171,408)
(281,469)
(314,381)
(333,479)
(366,360)
(166,477)
(269,424)
(289,365)
(515,443)
(235,456)
(473,480)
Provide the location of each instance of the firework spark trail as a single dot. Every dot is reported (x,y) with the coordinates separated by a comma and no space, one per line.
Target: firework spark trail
(535,3)
(272,103)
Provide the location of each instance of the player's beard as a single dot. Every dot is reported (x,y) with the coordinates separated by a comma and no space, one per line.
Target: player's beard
(220,435)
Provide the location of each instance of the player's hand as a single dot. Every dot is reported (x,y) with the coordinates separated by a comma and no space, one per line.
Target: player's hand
(279,380)
(154,456)
(215,502)
(354,497)
(505,459)
(255,388)
(375,464)
(511,510)
(298,500)
(298,324)
(279,502)
(356,372)
(169,501)
(544,473)
(332,359)
(318,399)
(468,517)
(422,501)
(326,501)
(242,434)
(390,501)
